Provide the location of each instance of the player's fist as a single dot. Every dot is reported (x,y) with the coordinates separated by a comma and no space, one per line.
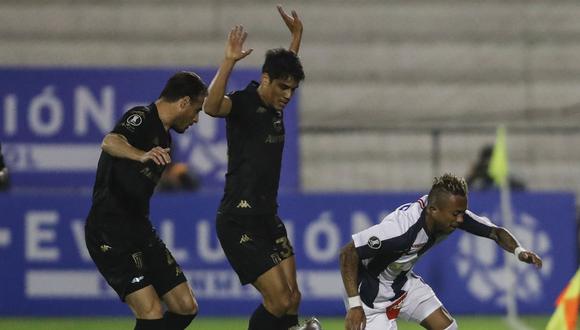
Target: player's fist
(530,258)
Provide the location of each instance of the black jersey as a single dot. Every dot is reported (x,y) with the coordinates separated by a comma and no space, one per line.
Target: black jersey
(255,135)
(124,186)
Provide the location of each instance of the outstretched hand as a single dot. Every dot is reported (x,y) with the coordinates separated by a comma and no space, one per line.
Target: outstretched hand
(293,22)
(235,44)
(530,258)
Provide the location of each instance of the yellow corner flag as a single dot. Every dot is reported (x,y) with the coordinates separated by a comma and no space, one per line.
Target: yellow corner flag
(568,304)
(498,164)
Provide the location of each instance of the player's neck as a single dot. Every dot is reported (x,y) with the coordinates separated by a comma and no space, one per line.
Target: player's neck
(165,114)
(429,225)
(262,96)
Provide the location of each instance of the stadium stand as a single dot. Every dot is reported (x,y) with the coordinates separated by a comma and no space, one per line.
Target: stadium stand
(389,100)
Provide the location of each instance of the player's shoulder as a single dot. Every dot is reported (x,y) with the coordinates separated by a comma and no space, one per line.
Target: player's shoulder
(478,218)
(139,113)
(141,109)
(134,119)
(406,215)
(245,100)
(249,90)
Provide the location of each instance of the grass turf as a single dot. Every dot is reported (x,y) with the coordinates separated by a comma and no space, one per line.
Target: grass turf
(206,323)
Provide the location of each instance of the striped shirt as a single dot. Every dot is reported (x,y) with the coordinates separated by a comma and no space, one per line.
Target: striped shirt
(389,250)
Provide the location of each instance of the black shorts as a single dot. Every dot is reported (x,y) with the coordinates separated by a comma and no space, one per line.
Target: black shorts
(131,256)
(253,243)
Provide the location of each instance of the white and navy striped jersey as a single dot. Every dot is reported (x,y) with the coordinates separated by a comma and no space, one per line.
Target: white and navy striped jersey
(389,250)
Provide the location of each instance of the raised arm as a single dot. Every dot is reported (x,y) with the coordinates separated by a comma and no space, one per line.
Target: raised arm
(117,145)
(216,104)
(294,24)
(509,243)
(349,259)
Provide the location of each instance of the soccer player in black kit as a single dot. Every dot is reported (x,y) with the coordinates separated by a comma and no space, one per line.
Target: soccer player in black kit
(119,235)
(251,234)
(3,172)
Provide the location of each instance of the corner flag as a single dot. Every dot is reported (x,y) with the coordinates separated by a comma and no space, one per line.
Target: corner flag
(568,304)
(498,164)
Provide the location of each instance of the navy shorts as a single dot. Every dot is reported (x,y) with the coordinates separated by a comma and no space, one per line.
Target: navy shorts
(253,244)
(130,256)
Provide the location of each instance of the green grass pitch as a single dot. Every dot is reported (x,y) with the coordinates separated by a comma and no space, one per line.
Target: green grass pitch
(206,323)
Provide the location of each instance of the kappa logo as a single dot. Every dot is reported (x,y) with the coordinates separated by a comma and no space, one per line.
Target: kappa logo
(137,279)
(245,238)
(244,205)
(374,243)
(134,120)
(261,110)
(105,247)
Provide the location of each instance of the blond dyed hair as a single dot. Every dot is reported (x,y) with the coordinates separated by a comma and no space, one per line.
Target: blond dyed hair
(445,185)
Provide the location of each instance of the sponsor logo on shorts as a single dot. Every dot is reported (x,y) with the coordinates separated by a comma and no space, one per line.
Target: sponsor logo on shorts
(245,238)
(169,257)
(374,243)
(394,310)
(137,279)
(105,248)
(243,204)
(138,259)
(276,258)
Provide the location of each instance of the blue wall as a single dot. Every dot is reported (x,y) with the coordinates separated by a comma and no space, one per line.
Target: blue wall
(46,269)
(52,122)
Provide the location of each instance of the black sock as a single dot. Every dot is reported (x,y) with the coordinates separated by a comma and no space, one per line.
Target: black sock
(142,324)
(174,321)
(289,320)
(262,320)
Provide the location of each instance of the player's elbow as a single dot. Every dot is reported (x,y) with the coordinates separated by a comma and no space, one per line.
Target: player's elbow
(210,110)
(106,143)
(348,252)
(211,107)
(112,141)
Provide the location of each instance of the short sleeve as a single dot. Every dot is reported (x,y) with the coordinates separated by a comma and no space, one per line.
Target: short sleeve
(133,125)
(477,225)
(385,237)
(238,109)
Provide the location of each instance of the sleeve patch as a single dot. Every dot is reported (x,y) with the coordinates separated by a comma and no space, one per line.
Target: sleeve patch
(374,243)
(135,120)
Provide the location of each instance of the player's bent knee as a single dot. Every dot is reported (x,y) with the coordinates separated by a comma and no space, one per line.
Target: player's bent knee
(189,308)
(278,305)
(149,311)
(452,326)
(186,306)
